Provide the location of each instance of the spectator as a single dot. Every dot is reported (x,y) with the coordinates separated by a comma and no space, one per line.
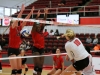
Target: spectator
(46,32)
(28,46)
(23,45)
(88,40)
(56,32)
(51,32)
(54,49)
(95,40)
(97,47)
(62,3)
(3,42)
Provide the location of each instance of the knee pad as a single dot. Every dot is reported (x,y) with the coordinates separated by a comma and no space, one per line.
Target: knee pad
(36,68)
(19,71)
(26,69)
(40,70)
(14,71)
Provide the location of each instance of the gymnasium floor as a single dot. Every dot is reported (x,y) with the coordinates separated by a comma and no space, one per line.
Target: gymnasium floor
(6,71)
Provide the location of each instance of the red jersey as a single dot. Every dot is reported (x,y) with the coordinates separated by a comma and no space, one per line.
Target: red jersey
(14,37)
(46,34)
(38,39)
(58,61)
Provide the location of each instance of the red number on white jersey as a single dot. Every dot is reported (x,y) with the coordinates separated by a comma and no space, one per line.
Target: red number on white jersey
(77,42)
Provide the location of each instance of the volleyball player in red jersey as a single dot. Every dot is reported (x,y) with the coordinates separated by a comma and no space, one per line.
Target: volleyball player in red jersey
(14,42)
(38,45)
(58,64)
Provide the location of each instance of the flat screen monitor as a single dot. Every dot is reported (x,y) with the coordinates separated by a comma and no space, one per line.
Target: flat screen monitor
(70,19)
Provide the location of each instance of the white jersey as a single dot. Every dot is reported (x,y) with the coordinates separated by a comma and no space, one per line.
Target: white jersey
(76,50)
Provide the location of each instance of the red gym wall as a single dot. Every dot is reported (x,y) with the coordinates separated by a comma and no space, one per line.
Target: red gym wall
(89,20)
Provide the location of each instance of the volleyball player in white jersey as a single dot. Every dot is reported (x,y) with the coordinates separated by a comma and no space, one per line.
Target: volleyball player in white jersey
(76,53)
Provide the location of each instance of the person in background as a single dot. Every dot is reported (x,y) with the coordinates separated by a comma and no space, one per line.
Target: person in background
(58,64)
(28,45)
(51,32)
(95,40)
(23,45)
(54,49)
(89,40)
(3,41)
(62,3)
(23,53)
(56,33)
(46,32)
(96,47)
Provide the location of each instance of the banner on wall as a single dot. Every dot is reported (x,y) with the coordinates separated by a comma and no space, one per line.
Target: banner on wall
(71,19)
(6,21)
(62,18)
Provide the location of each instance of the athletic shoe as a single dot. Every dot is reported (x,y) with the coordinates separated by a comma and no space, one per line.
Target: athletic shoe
(0,71)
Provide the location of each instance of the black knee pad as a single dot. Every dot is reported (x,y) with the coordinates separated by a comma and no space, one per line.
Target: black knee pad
(26,69)
(40,70)
(14,71)
(36,68)
(19,71)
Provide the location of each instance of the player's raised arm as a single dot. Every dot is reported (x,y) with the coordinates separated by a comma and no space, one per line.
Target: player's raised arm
(45,17)
(35,24)
(27,17)
(15,23)
(45,13)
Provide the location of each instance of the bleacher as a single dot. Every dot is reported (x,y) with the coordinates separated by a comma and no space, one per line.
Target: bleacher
(85,8)
(52,41)
(94,2)
(39,4)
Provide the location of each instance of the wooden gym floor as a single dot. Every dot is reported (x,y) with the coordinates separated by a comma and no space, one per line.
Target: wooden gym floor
(6,71)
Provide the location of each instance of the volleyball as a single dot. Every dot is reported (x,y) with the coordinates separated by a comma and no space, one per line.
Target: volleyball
(25,32)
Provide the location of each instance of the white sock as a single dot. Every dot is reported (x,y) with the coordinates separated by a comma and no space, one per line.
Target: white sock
(34,72)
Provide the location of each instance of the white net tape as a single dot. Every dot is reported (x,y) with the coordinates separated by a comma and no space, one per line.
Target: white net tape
(34,20)
(6,58)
